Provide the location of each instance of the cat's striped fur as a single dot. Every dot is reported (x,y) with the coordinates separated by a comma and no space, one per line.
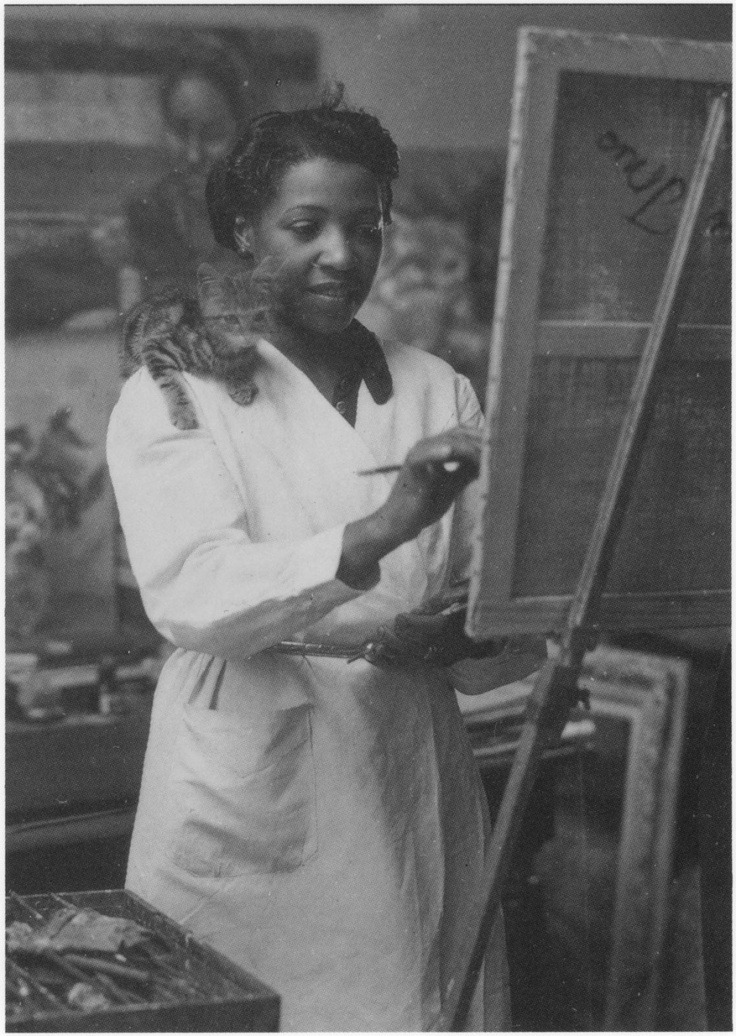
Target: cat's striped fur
(213,335)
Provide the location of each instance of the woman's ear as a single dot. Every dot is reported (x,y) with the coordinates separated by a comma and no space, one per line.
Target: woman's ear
(243,235)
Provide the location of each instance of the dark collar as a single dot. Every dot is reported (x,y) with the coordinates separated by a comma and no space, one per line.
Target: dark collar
(371,365)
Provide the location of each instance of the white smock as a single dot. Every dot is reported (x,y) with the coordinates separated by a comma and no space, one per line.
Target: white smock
(322,823)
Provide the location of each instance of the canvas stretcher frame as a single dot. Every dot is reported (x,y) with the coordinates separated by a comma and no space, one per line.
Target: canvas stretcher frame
(524,570)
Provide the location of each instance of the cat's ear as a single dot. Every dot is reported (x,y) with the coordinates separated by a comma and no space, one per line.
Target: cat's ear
(239,287)
(243,235)
(207,274)
(221,293)
(209,286)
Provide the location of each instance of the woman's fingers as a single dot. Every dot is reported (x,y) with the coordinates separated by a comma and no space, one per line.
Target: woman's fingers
(435,471)
(459,466)
(457,447)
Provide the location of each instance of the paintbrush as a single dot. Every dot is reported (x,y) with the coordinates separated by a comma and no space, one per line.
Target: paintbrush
(391,469)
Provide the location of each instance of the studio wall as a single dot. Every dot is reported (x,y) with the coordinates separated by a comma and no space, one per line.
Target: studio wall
(441,75)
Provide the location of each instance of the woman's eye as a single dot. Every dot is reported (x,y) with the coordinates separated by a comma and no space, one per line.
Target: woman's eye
(304,230)
(369,230)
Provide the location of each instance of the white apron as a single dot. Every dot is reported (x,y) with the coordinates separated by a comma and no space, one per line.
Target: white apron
(322,823)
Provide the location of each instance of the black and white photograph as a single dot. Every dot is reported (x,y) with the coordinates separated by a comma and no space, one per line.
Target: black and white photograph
(368,517)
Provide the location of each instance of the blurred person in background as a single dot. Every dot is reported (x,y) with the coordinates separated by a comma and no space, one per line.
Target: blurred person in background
(205,96)
(84,276)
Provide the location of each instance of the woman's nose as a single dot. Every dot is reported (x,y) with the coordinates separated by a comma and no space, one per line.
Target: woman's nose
(337,250)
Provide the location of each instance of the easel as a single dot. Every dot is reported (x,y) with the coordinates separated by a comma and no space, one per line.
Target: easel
(556,688)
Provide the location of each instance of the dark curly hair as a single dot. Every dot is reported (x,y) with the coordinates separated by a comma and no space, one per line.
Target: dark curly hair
(246,179)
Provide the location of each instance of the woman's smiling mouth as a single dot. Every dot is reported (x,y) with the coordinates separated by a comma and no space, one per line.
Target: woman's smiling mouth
(332,289)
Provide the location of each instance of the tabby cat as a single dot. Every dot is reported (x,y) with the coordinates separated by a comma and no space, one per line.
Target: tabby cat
(214,335)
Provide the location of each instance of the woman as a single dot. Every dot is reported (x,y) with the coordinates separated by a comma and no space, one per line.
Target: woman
(205,96)
(321,823)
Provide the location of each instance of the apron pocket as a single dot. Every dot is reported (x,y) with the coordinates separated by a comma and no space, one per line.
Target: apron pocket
(243,796)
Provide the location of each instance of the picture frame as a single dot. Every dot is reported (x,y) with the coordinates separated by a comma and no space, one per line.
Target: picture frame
(624,755)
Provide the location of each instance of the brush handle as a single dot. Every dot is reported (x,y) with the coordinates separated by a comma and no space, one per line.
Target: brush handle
(391,469)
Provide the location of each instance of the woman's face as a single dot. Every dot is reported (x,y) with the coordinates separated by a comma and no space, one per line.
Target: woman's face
(323,234)
(199,126)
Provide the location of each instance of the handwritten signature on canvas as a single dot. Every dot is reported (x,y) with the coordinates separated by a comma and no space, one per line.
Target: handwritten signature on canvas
(659,191)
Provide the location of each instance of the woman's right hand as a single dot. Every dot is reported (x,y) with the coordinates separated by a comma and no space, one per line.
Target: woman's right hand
(435,471)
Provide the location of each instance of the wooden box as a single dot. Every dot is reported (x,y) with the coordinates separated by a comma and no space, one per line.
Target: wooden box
(208,992)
